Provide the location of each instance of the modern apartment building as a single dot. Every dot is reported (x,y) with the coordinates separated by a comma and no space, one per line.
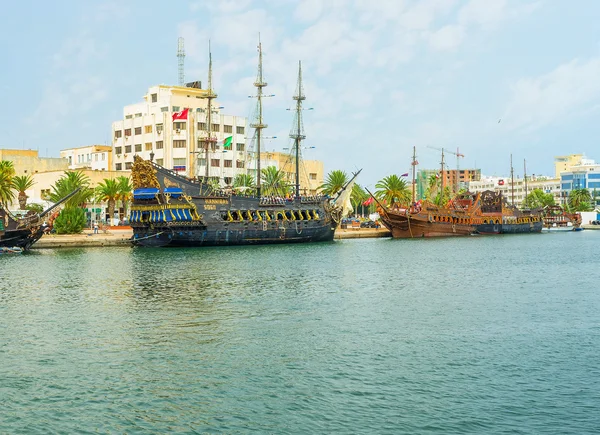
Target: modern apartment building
(148,129)
(452,178)
(95,157)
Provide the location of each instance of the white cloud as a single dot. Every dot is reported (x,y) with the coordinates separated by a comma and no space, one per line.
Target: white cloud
(448,38)
(539,101)
(308,10)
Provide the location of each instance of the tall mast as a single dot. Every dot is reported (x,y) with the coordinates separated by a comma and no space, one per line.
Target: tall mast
(298,134)
(258,126)
(210,140)
(414,168)
(443,184)
(525,176)
(512,182)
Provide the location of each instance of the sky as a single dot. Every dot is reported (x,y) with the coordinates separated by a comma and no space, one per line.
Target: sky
(488,77)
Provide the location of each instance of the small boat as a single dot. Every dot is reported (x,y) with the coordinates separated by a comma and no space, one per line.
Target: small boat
(556,219)
(13,250)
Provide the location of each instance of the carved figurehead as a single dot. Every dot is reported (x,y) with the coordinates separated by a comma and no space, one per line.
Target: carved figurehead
(143,174)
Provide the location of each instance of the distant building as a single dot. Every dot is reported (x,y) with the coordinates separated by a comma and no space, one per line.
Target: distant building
(452,179)
(148,130)
(95,157)
(517,191)
(311,171)
(585,175)
(29,162)
(564,163)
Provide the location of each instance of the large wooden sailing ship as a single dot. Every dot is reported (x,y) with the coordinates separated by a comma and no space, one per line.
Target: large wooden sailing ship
(172,210)
(487,212)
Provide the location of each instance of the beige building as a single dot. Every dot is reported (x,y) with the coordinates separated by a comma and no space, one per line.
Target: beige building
(517,190)
(311,171)
(96,157)
(29,162)
(149,130)
(565,163)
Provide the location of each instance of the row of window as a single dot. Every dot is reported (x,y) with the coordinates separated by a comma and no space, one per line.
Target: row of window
(215,163)
(159,146)
(177,126)
(82,158)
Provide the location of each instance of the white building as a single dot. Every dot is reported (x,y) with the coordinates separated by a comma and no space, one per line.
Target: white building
(505,186)
(95,157)
(148,128)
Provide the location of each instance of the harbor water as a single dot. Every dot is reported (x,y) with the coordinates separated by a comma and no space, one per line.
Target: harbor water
(482,335)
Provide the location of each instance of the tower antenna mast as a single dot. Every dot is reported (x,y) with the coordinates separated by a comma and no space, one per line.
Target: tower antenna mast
(180,60)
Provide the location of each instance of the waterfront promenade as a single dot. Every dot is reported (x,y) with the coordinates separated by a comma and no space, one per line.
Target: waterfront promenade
(121,236)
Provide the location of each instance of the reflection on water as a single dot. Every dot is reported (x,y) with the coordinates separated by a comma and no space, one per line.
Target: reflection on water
(480,335)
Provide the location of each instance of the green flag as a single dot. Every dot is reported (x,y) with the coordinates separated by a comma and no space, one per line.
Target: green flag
(227,142)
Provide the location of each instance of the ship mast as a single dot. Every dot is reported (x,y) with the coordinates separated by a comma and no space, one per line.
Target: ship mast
(414,169)
(258,125)
(210,140)
(297,133)
(525,176)
(442,175)
(512,182)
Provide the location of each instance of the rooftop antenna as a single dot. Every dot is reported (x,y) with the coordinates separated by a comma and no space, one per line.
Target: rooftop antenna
(180,59)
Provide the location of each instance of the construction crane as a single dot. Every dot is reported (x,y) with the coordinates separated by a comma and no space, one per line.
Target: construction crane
(458,156)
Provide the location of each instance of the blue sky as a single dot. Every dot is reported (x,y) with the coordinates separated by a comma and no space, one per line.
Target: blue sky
(383,76)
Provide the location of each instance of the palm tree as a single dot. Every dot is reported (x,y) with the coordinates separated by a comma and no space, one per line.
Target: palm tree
(70,181)
(125,191)
(334,182)
(243,180)
(393,189)
(358,196)
(108,191)
(274,182)
(432,183)
(580,200)
(21,183)
(7,172)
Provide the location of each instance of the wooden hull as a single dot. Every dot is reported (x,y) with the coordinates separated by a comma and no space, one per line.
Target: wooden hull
(410,226)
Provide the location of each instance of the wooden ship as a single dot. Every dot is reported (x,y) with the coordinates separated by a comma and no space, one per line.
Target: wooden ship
(169,210)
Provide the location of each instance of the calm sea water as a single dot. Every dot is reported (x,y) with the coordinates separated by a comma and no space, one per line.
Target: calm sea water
(485,335)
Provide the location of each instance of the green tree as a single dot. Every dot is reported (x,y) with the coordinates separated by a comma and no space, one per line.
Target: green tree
(125,192)
(71,220)
(274,182)
(7,172)
(393,189)
(538,199)
(38,208)
(108,191)
(358,196)
(21,183)
(243,180)
(334,182)
(580,200)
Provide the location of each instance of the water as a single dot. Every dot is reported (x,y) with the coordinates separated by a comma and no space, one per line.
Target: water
(494,335)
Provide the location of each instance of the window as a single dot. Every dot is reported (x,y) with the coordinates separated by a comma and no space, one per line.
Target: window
(159,128)
(128,165)
(228,163)
(44,193)
(138,147)
(127,149)
(148,146)
(127,132)
(128,116)
(103,156)
(179,162)
(138,115)
(138,130)
(96,157)
(215,127)
(215,163)
(118,150)
(312,176)
(159,144)
(227,180)
(179,144)
(239,164)
(202,126)
(70,160)
(175,108)
(118,133)
(179,125)
(202,162)
(160,162)
(240,147)
(148,129)
(154,98)
(164,109)
(119,166)
(200,110)
(227,129)
(239,130)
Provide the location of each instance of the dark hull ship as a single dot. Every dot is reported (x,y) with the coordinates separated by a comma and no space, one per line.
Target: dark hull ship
(498,217)
(22,232)
(175,211)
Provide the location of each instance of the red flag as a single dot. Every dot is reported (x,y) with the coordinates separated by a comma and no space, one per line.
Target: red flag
(368,201)
(180,115)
